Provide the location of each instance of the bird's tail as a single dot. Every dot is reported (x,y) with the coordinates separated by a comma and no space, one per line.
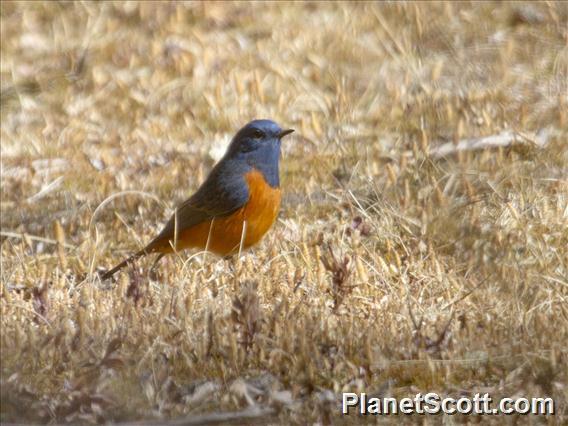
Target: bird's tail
(122,264)
(156,245)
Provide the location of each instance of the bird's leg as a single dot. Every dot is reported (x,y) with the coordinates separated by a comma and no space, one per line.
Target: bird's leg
(231,264)
(153,271)
(235,266)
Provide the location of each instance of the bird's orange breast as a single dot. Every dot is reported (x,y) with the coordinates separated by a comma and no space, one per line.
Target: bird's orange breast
(223,235)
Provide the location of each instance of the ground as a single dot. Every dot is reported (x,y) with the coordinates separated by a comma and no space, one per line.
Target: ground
(421,244)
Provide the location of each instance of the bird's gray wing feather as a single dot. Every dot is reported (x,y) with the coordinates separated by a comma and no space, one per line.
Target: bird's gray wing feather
(224,192)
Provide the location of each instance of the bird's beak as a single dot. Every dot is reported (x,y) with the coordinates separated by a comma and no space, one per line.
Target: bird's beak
(284,133)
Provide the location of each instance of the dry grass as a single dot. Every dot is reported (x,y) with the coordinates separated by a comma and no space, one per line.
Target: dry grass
(391,269)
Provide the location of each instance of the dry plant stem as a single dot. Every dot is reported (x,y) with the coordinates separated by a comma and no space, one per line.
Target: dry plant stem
(421,244)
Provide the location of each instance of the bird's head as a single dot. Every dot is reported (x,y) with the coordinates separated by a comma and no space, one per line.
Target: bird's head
(258,136)
(258,145)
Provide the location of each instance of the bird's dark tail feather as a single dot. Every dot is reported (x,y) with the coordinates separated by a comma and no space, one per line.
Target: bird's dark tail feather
(122,264)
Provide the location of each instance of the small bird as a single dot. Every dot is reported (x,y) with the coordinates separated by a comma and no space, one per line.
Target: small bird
(235,206)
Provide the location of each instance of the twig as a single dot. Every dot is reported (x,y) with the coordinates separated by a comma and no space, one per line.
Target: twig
(52,186)
(33,238)
(37,314)
(118,195)
(251,415)
(465,295)
(503,139)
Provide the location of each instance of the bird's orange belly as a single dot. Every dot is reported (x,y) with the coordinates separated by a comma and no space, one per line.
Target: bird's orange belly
(245,227)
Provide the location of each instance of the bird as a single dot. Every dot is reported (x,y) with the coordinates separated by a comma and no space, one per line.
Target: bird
(236,204)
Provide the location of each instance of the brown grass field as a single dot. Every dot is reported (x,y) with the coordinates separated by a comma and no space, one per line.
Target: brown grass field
(421,245)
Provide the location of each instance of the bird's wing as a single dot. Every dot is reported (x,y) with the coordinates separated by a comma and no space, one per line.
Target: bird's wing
(221,194)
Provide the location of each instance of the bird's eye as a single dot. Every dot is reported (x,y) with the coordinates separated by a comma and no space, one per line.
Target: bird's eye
(257,134)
